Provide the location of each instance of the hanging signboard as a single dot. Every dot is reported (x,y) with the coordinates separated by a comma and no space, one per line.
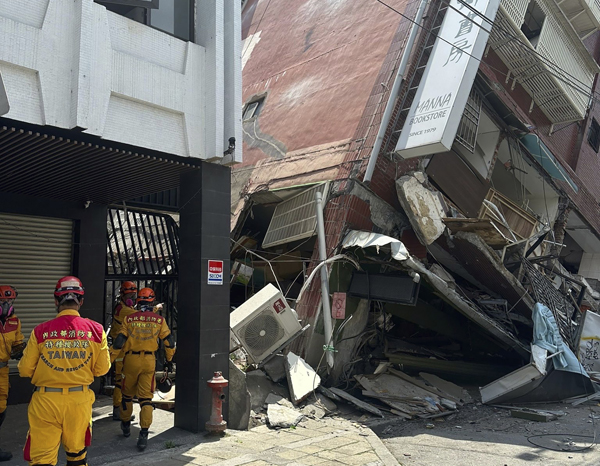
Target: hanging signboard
(439,103)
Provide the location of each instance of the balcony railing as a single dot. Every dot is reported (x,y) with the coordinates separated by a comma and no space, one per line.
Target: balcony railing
(584,15)
(553,66)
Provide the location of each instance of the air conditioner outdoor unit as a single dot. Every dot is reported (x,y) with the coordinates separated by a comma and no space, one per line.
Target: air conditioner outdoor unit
(264,323)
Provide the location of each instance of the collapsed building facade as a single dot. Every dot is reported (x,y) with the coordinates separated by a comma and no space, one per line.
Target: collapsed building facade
(445,249)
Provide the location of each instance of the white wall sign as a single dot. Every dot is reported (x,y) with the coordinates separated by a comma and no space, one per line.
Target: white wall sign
(589,343)
(215,272)
(440,101)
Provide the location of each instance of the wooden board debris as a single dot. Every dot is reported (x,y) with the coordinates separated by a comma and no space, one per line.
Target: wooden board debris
(453,392)
(356,402)
(400,394)
(482,227)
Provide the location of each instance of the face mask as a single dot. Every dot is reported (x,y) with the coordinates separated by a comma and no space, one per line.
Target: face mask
(146,307)
(129,302)
(6,309)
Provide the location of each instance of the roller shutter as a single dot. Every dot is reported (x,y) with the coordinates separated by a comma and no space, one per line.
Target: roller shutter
(34,253)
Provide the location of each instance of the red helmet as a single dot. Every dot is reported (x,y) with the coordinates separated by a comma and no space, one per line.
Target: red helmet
(128,287)
(69,285)
(8,292)
(145,295)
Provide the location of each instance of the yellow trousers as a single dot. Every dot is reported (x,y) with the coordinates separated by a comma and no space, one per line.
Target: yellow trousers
(117,394)
(56,418)
(138,378)
(4,386)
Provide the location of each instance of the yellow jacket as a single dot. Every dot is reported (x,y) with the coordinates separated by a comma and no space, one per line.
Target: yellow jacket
(10,335)
(66,351)
(141,332)
(122,310)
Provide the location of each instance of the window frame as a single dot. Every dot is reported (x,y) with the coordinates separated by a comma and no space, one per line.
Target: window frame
(593,136)
(260,102)
(148,4)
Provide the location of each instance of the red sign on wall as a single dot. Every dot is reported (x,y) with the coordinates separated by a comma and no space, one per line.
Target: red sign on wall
(215,272)
(338,306)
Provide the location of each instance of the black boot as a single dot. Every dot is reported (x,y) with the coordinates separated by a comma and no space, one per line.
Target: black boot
(142,442)
(4,455)
(126,428)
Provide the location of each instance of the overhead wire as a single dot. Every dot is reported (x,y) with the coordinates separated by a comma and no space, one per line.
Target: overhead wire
(464,51)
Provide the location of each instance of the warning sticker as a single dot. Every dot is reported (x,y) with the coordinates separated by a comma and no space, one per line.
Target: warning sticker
(215,272)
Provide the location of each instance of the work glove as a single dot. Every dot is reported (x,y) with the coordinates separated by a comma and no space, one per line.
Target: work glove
(168,367)
(17,351)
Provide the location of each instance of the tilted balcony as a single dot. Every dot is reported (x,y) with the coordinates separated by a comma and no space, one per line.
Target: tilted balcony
(584,15)
(544,54)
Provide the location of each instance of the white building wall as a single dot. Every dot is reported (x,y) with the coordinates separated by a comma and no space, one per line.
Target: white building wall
(73,64)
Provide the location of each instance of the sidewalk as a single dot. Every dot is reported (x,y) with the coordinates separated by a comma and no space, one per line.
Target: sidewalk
(330,441)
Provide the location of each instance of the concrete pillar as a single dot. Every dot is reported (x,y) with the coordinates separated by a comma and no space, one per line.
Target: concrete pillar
(203,318)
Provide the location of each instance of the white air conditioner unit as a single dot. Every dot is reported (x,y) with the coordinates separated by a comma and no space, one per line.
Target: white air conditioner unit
(264,323)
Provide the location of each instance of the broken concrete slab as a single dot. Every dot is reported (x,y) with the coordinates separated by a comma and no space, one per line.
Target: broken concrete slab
(313,411)
(259,386)
(275,368)
(302,379)
(282,416)
(239,399)
(356,402)
(423,206)
(533,415)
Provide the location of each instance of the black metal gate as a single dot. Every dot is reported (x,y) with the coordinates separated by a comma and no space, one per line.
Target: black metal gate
(143,247)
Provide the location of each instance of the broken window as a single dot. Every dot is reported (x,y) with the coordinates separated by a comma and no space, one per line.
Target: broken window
(295,218)
(533,23)
(253,108)
(469,123)
(594,135)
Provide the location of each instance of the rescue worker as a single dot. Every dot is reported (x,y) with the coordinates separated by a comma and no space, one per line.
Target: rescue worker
(138,338)
(62,357)
(128,293)
(11,347)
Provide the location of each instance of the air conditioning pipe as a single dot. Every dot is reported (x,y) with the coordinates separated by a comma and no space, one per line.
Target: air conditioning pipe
(389,107)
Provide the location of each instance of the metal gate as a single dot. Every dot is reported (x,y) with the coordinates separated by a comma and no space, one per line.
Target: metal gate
(143,247)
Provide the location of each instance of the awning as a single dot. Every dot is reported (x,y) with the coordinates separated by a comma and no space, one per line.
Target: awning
(542,155)
(45,161)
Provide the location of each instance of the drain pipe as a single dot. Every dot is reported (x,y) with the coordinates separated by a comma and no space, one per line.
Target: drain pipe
(328,347)
(389,107)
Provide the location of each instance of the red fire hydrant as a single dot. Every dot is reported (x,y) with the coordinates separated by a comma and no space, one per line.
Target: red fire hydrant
(216,424)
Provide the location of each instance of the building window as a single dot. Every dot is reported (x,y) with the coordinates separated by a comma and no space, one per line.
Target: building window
(174,17)
(533,23)
(253,108)
(594,135)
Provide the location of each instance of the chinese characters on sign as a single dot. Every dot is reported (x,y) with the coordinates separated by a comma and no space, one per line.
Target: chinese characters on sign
(439,103)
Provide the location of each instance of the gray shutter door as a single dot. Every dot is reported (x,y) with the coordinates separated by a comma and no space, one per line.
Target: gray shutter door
(34,253)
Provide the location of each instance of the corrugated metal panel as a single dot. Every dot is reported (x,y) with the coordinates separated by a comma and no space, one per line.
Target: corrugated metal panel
(295,218)
(34,253)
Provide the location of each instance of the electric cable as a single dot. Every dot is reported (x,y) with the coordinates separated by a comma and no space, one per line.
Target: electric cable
(464,51)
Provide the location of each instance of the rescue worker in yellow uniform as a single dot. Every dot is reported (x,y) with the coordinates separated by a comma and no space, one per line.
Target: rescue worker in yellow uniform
(139,339)
(62,357)
(125,308)
(11,347)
